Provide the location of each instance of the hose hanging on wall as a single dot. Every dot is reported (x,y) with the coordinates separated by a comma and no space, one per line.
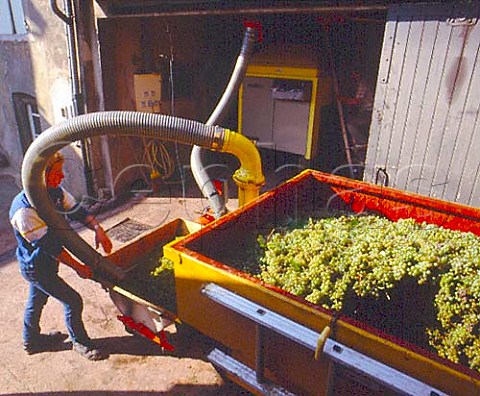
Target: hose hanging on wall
(249,176)
(200,174)
(158,158)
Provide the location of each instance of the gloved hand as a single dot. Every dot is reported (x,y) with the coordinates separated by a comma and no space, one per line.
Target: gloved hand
(84,271)
(101,238)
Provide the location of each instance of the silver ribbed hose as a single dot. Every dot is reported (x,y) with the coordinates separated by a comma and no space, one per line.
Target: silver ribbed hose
(199,171)
(113,123)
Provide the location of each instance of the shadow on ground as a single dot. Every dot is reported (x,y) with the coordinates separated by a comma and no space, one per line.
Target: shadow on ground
(196,346)
(177,390)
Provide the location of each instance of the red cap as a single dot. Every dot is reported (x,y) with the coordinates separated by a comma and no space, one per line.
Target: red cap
(254,25)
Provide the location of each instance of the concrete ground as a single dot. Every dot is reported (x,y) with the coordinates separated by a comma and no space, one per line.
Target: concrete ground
(135,366)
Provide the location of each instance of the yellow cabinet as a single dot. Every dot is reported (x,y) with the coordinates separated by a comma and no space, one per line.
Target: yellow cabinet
(279,107)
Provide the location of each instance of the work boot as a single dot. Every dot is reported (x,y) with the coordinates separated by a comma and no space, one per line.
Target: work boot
(89,350)
(43,342)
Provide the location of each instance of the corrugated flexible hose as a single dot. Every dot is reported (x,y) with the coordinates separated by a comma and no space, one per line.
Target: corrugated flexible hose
(113,123)
(199,171)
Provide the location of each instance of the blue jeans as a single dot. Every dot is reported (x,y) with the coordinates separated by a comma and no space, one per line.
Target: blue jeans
(43,285)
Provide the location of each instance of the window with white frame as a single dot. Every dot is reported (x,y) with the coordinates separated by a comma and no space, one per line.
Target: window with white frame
(12,19)
(28,118)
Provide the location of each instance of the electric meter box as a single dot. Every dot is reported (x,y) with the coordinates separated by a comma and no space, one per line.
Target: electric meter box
(148,92)
(279,107)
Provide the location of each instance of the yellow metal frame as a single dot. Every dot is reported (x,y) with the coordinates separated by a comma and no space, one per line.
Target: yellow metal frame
(306,375)
(305,371)
(192,272)
(298,369)
(320,96)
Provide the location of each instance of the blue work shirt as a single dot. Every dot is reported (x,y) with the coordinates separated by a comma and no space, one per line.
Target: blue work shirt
(38,245)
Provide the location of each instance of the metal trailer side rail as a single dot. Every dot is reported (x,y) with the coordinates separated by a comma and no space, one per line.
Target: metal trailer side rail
(340,354)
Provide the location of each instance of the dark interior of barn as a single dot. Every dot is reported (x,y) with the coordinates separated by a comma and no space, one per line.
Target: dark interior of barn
(194,58)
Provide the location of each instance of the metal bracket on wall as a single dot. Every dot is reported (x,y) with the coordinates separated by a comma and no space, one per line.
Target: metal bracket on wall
(337,352)
(386,178)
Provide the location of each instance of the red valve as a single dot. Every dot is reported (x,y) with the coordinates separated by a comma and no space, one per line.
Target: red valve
(255,25)
(218,184)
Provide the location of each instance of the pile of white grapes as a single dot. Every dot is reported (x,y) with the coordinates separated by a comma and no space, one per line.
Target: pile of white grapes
(328,258)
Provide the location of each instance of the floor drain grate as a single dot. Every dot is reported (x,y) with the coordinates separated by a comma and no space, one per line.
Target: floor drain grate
(127,229)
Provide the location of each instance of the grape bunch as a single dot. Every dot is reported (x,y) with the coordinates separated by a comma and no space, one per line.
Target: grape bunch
(164,280)
(328,259)
(457,337)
